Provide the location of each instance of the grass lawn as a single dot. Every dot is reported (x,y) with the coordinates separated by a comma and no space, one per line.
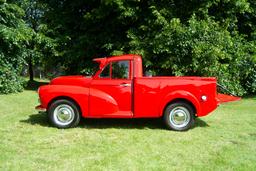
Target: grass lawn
(224,140)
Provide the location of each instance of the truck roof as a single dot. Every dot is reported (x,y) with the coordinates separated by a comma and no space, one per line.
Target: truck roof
(104,60)
(119,57)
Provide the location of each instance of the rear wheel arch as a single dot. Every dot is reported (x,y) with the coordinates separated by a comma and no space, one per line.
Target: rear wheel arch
(183,96)
(182,100)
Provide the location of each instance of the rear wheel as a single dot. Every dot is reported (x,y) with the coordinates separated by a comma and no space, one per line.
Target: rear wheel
(179,116)
(64,114)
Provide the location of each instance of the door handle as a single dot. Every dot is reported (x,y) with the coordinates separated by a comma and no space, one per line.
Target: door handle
(125,85)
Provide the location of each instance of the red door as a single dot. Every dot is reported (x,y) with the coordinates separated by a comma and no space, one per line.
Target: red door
(111,91)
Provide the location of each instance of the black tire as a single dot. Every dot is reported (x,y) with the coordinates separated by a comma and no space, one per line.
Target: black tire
(179,111)
(64,114)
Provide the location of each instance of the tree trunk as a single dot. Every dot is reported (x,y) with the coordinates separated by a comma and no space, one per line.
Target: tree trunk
(30,69)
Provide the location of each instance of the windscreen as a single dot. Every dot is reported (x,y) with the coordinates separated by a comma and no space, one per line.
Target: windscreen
(90,69)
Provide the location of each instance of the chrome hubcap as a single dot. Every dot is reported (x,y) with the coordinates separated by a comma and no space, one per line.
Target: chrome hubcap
(179,116)
(63,114)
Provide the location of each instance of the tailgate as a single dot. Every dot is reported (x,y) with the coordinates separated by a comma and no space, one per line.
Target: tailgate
(223,98)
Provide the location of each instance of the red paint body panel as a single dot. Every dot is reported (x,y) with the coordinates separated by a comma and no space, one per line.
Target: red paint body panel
(134,96)
(80,95)
(153,94)
(119,97)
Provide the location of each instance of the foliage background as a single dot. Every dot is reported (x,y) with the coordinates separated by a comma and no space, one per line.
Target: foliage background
(175,37)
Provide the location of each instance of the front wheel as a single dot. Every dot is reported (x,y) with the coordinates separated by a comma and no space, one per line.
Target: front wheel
(179,116)
(64,114)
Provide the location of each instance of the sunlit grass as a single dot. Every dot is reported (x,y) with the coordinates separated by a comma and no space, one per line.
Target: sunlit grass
(224,140)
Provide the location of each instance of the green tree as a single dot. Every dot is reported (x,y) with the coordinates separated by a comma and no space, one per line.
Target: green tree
(14,35)
(175,37)
(40,47)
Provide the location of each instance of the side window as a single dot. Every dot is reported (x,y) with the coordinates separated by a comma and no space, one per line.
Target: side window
(106,72)
(120,70)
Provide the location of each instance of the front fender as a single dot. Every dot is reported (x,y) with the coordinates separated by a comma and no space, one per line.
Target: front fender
(180,94)
(79,94)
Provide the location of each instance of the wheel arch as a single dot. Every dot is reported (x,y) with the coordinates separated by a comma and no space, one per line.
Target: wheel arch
(180,100)
(182,96)
(65,98)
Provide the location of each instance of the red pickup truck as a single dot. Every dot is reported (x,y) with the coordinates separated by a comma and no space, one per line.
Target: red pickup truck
(119,90)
